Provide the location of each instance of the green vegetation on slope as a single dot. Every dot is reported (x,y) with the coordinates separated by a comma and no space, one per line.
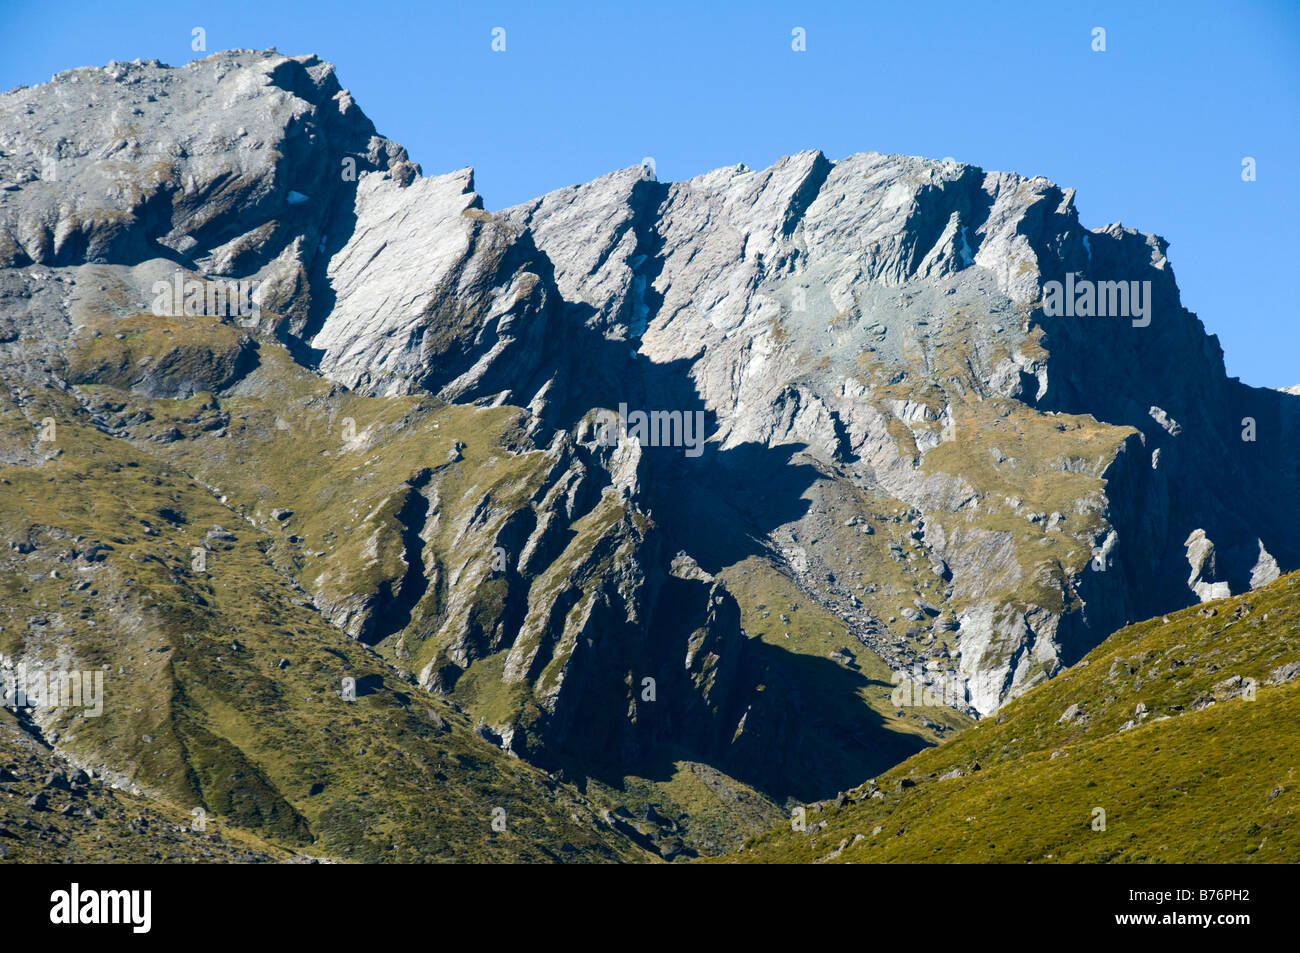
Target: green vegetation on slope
(52,812)
(1180,729)
(223,688)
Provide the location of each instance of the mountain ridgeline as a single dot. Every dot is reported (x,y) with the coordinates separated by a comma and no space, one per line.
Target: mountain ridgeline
(623,511)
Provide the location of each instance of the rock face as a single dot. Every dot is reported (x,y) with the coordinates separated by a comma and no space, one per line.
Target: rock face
(225,163)
(845,373)
(477,323)
(1203,581)
(864,310)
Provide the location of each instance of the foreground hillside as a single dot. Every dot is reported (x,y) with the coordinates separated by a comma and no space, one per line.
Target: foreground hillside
(1181,729)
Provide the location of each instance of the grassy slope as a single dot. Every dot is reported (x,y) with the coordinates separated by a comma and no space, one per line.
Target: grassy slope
(765,596)
(84,821)
(1203,774)
(199,709)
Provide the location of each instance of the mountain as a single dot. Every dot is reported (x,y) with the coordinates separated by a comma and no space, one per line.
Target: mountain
(623,510)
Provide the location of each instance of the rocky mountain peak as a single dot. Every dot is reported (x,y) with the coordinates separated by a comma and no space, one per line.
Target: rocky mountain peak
(764,438)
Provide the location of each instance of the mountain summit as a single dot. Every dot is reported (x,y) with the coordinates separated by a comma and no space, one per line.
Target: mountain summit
(661,488)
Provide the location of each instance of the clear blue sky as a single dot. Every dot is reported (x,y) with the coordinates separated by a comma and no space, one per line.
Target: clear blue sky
(1151,132)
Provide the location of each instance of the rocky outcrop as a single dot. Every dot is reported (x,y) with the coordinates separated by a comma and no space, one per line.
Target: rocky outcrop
(431,292)
(1203,581)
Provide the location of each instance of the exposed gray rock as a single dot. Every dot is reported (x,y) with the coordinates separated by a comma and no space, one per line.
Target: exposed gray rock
(433,292)
(1265,570)
(1284,673)
(1203,581)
